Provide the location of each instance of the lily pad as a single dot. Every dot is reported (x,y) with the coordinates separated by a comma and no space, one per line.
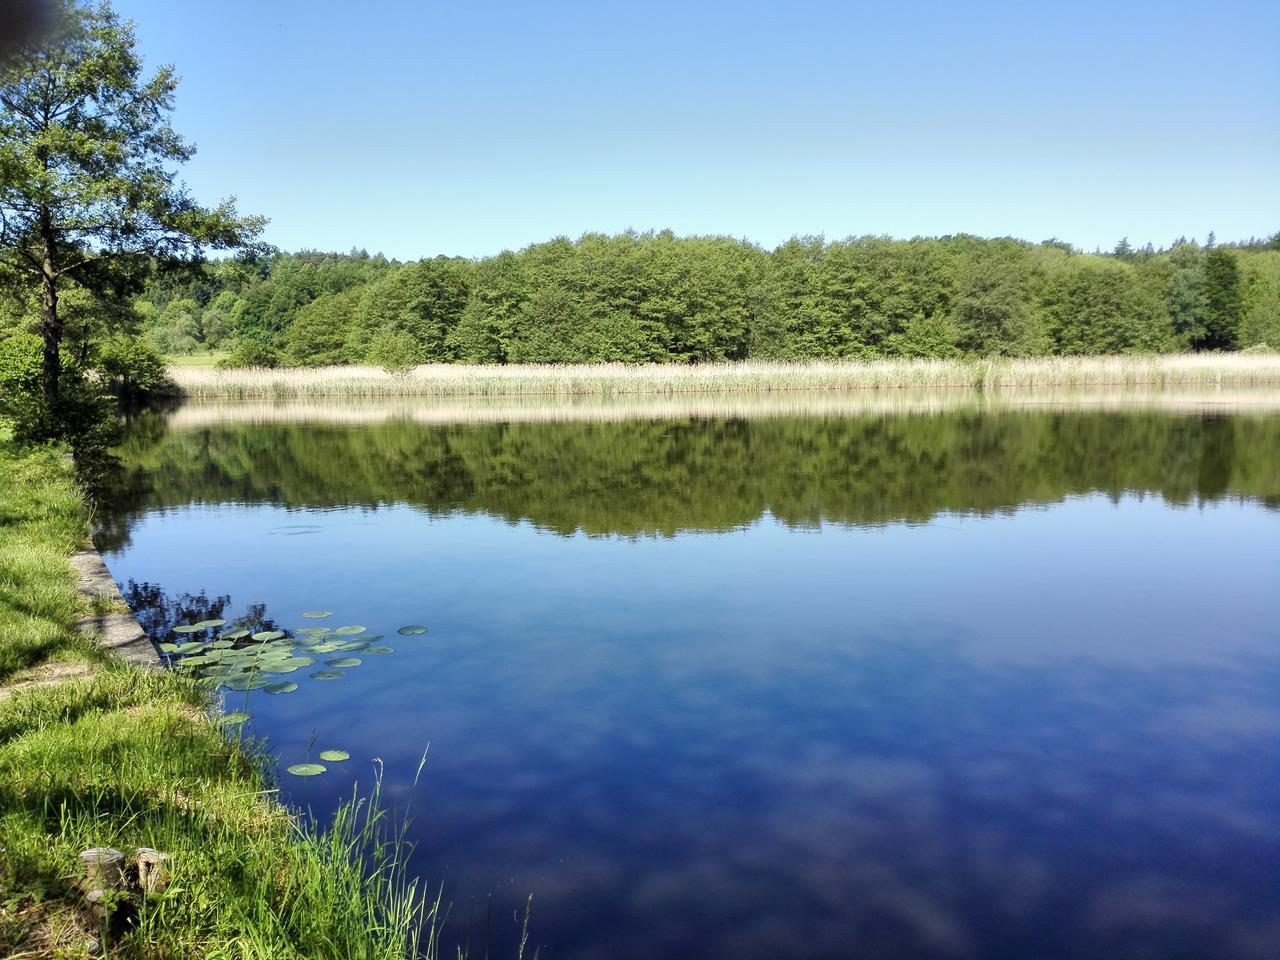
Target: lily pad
(188,628)
(307,769)
(198,660)
(375,651)
(334,755)
(233,634)
(343,662)
(240,684)
(328,675)
(278,668)
(413,630)
(263,636)
(205,624)
(168,647)
(350,631)
(234,718)
(318,614)
(325,647)
(283,686)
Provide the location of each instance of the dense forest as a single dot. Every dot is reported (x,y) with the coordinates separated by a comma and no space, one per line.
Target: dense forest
(656,297)
(661,477)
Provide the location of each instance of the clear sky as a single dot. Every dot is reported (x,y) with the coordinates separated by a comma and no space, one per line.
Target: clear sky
(467,127)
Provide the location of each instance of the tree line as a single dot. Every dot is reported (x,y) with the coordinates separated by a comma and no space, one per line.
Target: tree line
(656,297)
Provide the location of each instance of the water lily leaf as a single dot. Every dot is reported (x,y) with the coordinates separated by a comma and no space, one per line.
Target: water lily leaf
(328,675)
(265,635)
(301,661)
(188,628)
(375,651)
(350,631)
(278,667)
(251,682)
(205,624)
(324,648)
(334,755)
(411,631)
(197,660)
(282,686)
(343,662)
(353,645)
(232,634)
(307,769)
(222,644)
(168,647)
(235,718)
(318,614)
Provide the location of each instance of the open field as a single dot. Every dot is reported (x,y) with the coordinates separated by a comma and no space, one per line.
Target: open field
(611,380)
(196,361)
(94,752)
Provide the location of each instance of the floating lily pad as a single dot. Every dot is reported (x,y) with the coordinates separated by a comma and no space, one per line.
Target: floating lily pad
(168,647)
(222,644)
(301,661)
(265,635)
(350,631)
(198,660)
(278,668)
(343,662)
(283,686)
(334,755)
(325,647)
(205,624)
(243,683)
(188,628)
(411,631)
(318,614)
(375,651)
(307,769)
(235,718)
(232,634)
(353,645)
(328,675)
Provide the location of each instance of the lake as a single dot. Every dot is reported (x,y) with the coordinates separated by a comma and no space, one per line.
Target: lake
(937,681)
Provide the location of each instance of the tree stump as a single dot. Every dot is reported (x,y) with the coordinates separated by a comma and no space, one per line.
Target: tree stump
(104,868)
(153,869)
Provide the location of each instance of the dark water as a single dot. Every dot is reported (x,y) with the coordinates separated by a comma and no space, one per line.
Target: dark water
(957,686)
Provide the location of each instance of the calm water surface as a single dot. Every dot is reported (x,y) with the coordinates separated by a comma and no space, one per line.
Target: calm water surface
(964,685)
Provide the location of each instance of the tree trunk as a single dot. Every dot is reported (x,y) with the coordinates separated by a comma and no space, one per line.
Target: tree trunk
(50,330)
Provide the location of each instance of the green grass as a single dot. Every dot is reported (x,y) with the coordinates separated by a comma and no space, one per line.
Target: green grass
(614,380)
(128,757)
(196,361)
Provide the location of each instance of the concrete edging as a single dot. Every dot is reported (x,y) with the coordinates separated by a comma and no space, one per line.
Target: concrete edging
(118,632)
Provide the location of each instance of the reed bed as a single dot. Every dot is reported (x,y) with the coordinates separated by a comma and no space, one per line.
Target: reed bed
(615,380)
(536,409)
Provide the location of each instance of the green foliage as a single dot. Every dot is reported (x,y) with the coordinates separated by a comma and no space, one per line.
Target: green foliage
(89,193)
(396,351)
(131,369)
(655,297)
(1223,301)
(80,410)
(251,353)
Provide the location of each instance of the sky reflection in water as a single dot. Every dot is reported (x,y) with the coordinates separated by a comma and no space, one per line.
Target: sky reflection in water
(1048,732)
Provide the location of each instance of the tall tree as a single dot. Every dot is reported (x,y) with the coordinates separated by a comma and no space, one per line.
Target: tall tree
(88,185)
(1223,300)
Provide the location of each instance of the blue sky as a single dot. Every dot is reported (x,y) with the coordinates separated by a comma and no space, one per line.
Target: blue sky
(469,127)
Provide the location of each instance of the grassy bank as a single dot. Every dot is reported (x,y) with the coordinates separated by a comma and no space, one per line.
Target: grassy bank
(97,753)
(450,380)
